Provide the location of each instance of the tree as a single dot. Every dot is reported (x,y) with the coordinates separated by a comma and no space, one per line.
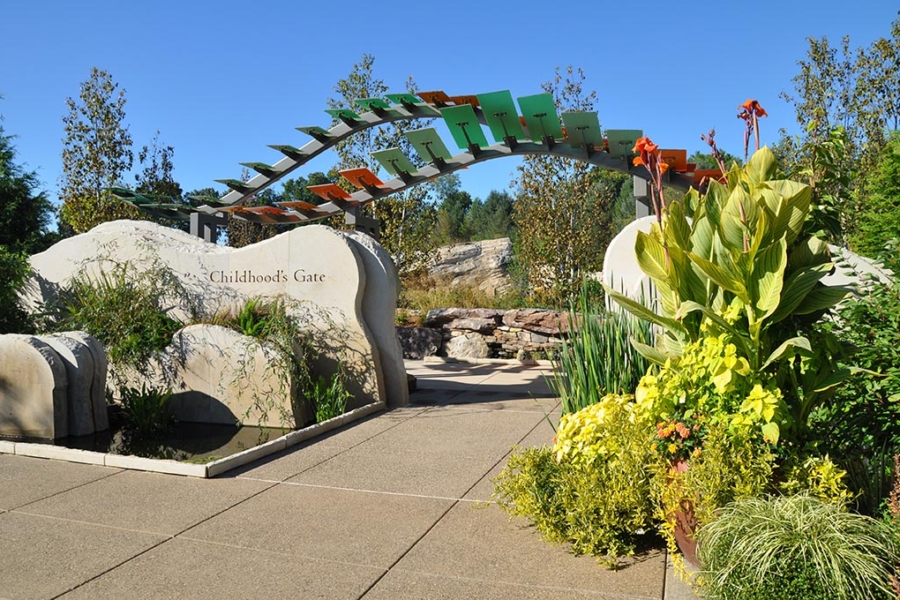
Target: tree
(156,175)
(491,219)
(407,219)
(846,100)
(96,154)
(705,160)
(879,221)
(453,207)
(24,216)
(25,212)
(563,225)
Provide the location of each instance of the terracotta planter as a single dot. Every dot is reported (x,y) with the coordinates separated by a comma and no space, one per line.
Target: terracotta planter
(685,522)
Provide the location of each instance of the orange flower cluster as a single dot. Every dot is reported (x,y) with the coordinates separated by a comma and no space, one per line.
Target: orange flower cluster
(645,148)
(664,431)
(752,108)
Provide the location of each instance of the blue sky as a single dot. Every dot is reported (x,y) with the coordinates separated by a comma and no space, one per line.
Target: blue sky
(221,80)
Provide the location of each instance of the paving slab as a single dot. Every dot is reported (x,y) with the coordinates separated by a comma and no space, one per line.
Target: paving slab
(149,502)
(41,557)
(297,459)
(443,453)
(24,479)
(541,435)
(201,571)
(482,543)
(407,585)
(362,528)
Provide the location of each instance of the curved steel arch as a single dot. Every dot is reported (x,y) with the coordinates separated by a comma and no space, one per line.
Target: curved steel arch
(405,107)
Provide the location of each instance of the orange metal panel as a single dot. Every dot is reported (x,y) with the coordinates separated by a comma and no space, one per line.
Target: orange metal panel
(677,159)
(362,178)
(329,191)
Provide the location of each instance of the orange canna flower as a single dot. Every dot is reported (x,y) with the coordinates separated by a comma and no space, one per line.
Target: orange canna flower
(650,146)
(752,107)
(638,161)
(639,145)
(663,167)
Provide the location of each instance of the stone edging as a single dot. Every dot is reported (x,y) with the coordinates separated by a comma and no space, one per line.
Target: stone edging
(528,362)
(173,467)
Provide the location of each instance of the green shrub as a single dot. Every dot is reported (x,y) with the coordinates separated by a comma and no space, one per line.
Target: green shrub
(599,501)
(860,425)
(329,396)
(124,308)
(794,547)
(597,358)
(14,271)
(146,410)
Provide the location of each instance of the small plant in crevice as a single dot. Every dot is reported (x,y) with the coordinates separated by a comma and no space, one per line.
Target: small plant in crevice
(126,308)
(328,395)
(146,411)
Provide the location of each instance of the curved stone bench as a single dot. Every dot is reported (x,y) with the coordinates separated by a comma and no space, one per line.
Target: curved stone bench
(52,386)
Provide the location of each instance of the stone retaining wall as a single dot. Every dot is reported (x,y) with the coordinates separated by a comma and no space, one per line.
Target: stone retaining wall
(487,333)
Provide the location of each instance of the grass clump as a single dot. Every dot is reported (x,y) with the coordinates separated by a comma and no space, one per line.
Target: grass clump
(124,308)
(146,410)
(597,358)
(790,547)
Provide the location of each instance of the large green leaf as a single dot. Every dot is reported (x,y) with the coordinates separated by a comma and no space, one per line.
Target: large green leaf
(768,277)
(822,297)
(677,228)
(641,311)
(734,225)
(651,256)
(762,166)
(797,197)
(788,345)
(720,277)
(649,352)
(702,237)
(808,253)
(796,287)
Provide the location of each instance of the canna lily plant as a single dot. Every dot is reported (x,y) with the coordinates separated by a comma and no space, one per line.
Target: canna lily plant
(737,250)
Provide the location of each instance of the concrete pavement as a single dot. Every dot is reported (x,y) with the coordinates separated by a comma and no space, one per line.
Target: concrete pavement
(393,506)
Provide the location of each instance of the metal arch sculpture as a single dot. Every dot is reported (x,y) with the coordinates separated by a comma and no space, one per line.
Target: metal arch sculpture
(537,131)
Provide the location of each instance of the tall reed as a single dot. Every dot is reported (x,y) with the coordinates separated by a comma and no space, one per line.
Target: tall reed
(597,357)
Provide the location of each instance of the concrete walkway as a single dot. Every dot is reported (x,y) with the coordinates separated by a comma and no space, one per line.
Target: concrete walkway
(392,507)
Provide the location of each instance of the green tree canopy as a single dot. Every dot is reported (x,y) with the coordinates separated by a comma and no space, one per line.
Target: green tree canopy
(491,219)
(25,211)
(563,225)
(96,154)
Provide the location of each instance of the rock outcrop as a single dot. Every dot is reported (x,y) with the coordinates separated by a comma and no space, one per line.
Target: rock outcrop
(484,265)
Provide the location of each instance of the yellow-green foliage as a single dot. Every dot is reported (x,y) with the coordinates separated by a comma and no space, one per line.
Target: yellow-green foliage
(817,476)
(584,436)
(593,488)
(708,382)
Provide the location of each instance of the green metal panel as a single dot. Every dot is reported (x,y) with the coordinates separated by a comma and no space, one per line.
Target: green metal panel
(540,117)
(289,151)
(236,185)
(260,167)
(372,104)
(500,113)
(315,131)
(343,114)
(621,141)
(427,139)
(394,161)
(464,126)
(403,99)
(583,129)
